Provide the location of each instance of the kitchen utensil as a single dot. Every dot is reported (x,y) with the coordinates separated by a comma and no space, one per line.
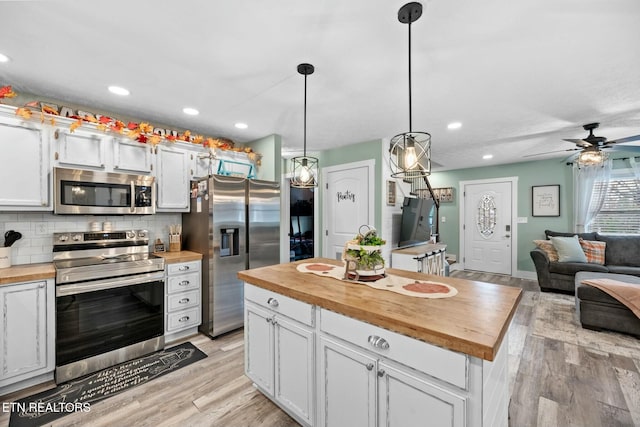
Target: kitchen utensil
(10,237)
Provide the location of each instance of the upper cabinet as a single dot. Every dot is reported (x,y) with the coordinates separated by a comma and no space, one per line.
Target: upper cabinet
(25,160)
(132,156)
(172,176)
(80,148)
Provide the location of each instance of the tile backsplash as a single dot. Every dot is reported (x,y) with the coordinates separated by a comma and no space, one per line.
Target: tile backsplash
(37,230)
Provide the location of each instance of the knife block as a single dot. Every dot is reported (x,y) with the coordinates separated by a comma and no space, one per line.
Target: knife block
(5,257)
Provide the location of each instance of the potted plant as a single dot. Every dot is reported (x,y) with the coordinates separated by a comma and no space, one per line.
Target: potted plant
(363,255)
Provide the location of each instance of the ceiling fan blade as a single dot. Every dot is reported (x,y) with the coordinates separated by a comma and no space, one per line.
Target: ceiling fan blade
(550,152)
(629,148)
(579,142)
(623,140)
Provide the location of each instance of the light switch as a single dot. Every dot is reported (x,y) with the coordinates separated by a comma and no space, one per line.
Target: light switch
(444,219)
(522,220)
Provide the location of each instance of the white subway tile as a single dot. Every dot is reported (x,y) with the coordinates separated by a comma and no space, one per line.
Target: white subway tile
(41,258)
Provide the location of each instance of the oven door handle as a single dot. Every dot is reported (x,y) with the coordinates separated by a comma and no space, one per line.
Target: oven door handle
(133,197)
(100,285)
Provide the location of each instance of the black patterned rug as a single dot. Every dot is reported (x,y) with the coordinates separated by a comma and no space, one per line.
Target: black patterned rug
(78,395)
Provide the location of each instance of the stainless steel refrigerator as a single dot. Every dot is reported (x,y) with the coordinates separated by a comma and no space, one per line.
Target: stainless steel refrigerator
(235,223)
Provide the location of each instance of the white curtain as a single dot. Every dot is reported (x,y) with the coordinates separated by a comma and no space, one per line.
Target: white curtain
(588,203)
(635,167)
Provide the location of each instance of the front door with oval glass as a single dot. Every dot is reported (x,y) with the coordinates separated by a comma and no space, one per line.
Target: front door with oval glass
(487,231)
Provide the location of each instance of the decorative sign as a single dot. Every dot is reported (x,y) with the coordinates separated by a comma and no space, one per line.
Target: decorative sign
(545,200)
(444,194)
(391,193)
(347,195)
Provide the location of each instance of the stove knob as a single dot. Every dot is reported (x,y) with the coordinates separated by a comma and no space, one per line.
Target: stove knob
(77,238)
(142,234)
(63,238)
(130,234)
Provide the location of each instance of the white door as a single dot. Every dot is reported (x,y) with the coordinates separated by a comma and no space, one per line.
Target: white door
(348,201)
(487,226)
(347,380)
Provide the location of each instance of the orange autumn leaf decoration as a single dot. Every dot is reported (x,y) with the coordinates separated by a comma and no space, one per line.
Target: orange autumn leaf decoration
(198,139)
(7,92)
(49,110)
(75,125)
(132,126)
(25,113)
(141,138)
(133,134)
(105,120)
(90,118)
(154,140)
(171,138)
(146,128)
(101,127)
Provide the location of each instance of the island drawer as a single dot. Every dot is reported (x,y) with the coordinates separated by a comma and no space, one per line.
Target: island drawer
(446,365)
(297,310)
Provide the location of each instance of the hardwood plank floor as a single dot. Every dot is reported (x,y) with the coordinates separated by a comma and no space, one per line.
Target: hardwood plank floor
(559,375)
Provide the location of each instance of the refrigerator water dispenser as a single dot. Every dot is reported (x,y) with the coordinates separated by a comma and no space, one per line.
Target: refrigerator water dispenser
(229,242)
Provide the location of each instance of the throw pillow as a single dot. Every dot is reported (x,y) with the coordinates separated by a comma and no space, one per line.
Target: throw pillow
(594,251)
(569,249)
(548,248)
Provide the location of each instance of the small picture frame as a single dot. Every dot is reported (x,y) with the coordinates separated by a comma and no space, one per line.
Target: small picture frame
(545,200)
(391,193)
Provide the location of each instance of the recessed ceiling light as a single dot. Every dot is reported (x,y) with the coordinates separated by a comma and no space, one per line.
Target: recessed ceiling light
(4,58)
(487,156)
(454,125)
(118,90)
(190,111)
(241,125)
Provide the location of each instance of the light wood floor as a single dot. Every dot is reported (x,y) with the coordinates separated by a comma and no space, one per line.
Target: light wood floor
(560,375)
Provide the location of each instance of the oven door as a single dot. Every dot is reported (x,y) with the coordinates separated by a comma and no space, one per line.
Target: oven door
(93,318)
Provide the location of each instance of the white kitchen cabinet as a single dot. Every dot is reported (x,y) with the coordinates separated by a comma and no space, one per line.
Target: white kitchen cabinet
(201,162)
(27,333)
(279,351)
(131,156)
(183,313)
(81,149)
(172,176)
(24,175)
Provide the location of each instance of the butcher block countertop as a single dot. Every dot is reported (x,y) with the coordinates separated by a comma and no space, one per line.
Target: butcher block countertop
(427,248)
(473,322)
(27,273)
(182,256)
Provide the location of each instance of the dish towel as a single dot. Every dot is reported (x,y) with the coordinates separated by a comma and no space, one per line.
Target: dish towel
(627,293)
(401,285)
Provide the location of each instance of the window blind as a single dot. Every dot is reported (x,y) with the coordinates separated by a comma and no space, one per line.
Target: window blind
(620,213)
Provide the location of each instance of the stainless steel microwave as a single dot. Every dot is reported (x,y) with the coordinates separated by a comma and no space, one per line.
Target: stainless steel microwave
(87,192)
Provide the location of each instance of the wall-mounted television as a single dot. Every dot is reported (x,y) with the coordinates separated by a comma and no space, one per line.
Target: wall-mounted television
(417,221)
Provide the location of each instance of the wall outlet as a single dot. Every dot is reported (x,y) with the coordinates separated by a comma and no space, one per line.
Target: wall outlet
(42,228)
(522,220)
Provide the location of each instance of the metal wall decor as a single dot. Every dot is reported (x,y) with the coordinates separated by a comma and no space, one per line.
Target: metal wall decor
(486,217)
(410,152)
(304,169)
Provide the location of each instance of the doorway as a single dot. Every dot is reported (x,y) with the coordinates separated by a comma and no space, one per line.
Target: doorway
(487,218)
(301,223)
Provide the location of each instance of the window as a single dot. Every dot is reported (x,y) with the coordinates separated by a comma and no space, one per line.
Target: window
(620,213)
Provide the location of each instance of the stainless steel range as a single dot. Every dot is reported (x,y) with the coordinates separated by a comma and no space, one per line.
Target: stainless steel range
(109,300)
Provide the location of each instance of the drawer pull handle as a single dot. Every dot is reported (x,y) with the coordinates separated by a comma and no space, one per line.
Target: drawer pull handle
(183,319)
(369,366)
(183,301)
(378,342)
(184,268)
(381,373)
(273,302)
(184,283)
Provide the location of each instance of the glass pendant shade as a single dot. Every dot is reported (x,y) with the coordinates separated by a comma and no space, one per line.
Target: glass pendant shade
(305,172)
(591,158)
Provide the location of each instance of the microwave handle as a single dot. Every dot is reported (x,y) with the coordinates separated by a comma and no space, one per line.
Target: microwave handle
(133,197)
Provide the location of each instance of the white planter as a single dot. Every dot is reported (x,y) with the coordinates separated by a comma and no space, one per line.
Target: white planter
(5,257)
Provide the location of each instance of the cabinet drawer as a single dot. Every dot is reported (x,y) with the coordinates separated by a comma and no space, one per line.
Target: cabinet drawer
(183,267)
(297,310)
(446,365)
(183,282)
(183,300)
(183,319)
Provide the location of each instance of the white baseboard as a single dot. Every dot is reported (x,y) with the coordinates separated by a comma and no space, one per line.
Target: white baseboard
(523,274)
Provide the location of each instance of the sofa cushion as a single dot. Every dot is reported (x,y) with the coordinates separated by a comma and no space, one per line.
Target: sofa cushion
(569,249)
(547,247)
(594,251)
(590,293)
(572,268)
(585,236)
(621,250)
(624,269)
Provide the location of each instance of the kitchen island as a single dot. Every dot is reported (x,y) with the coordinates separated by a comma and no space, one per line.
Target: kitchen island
(332,352)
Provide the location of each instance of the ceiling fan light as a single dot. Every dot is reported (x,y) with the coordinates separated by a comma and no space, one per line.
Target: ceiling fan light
(591,158)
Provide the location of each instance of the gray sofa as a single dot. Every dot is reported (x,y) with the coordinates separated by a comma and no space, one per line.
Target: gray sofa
(622,256)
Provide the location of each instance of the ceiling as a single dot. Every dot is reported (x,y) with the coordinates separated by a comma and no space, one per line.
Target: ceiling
(519,75)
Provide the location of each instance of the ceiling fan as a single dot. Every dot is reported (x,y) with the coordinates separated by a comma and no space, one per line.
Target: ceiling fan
(591,147)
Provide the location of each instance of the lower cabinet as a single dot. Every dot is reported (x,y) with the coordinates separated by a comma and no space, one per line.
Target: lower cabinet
(279,351)
(27,332)
(182,308)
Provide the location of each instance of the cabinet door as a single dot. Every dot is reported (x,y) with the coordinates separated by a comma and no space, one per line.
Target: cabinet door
(347,380)
(25,160)
(79,149)
(294,365)
(258,352)
(405,399)
(405,262)
(202,163)
(23,330)
(172,176)
(131,156)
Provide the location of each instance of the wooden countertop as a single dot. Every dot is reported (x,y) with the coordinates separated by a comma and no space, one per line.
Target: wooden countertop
(182,256)
(473,322)
(428,248)
(27,273)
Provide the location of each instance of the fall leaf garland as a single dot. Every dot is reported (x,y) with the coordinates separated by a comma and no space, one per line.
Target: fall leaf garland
(141,132)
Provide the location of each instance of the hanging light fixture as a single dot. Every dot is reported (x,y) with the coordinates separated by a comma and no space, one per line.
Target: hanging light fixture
(591,156)
(410,152)
(305,168)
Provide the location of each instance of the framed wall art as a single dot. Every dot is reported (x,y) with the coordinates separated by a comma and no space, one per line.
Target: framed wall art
(391,193)
(545,200)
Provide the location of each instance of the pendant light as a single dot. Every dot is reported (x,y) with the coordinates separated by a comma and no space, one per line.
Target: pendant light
(305,168)
(410,152)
